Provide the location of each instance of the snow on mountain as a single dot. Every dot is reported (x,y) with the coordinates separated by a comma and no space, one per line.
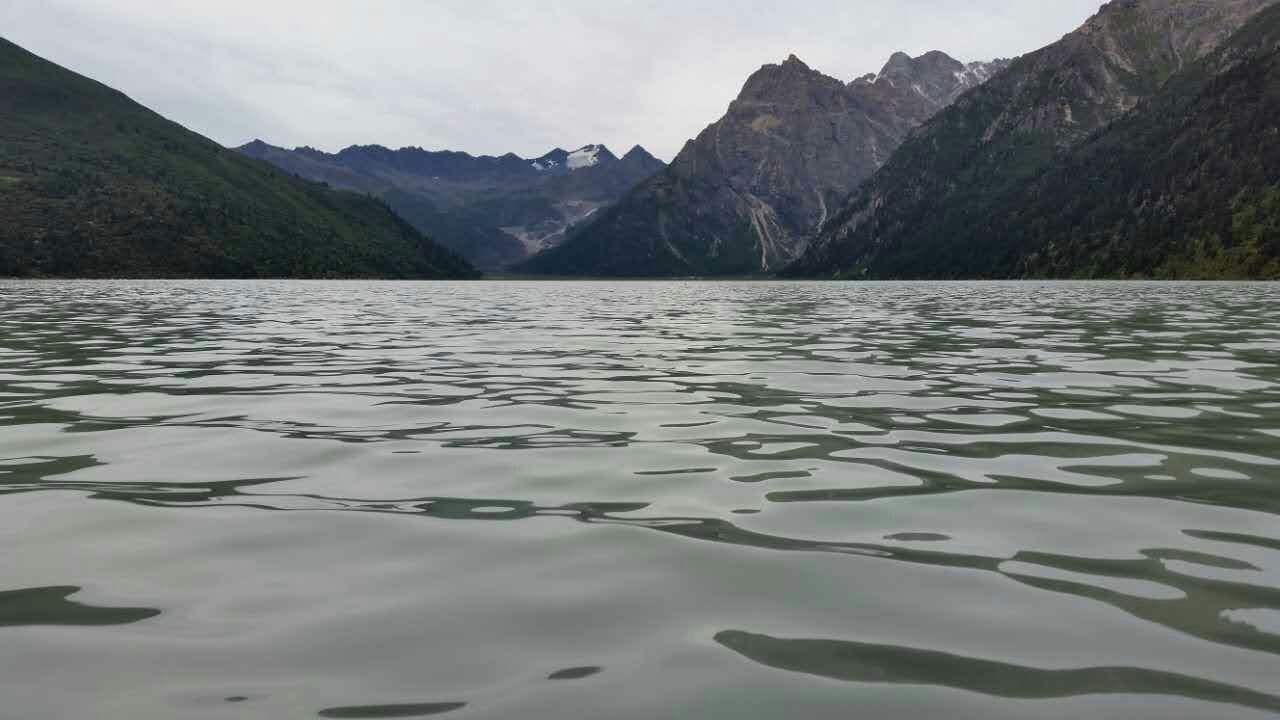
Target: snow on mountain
(977,73)
(584,157)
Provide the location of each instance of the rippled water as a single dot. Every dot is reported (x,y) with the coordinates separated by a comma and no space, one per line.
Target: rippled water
(640,500)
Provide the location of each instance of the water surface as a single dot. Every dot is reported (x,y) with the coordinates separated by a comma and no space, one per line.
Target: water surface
(639,500)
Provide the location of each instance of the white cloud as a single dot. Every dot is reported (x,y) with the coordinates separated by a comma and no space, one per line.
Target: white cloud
(491,76)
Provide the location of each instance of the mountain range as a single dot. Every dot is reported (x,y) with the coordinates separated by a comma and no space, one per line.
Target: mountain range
(745,195)
(1142,144)
(493,211)
(93,184)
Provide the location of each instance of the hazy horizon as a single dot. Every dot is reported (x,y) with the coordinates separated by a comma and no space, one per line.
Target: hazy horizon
(485,78)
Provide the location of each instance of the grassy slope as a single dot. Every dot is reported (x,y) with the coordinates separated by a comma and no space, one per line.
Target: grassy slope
(93,184)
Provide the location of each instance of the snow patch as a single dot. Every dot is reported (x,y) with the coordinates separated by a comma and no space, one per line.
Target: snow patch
(974,74)
(584,157)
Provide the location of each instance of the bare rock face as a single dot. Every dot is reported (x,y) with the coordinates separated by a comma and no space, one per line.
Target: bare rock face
(744,195)
(1121,56)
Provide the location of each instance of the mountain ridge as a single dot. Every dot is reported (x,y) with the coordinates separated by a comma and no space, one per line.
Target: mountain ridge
(493,210)
(743,195)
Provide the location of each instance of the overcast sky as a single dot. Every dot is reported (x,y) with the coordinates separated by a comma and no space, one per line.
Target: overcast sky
(492,76)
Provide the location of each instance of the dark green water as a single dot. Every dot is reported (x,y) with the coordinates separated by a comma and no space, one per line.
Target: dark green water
(639,500)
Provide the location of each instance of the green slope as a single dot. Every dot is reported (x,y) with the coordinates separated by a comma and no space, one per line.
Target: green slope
(94,185)
(1186,187)
(1008,181)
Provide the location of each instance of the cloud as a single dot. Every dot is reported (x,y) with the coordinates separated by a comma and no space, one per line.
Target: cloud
(491,76)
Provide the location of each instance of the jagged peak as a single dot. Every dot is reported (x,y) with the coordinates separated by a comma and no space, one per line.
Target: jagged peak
(598,147)
(936,55)
(793,72)
(639,152)
(902,65)
(792,64)
(375,148)
(795,61)
(588,156)
(899,65)
(1162,10)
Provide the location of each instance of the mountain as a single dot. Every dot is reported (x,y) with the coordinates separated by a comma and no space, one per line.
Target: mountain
(746,193)
(494,211)
(1187,187)
(1081,159)
(93,184)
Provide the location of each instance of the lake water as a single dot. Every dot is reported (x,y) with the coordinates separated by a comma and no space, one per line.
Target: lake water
(639,500)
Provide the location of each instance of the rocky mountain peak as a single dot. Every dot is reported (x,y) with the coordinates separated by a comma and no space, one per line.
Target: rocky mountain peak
(1105,68)
(1188,29)
(745,194)
(793,61)
(638,153)
(900,68)
(564,160)
(931,81)
(787,80)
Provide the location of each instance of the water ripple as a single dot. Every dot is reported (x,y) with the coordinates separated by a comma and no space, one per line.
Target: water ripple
(593,475)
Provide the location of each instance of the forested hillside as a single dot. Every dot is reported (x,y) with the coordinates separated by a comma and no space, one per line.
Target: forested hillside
(93,184)
(1138,145)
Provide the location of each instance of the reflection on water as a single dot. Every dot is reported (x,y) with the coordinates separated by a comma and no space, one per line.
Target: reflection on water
(575,673)
(867,663)
(356,495)
(50,606)
(392,711)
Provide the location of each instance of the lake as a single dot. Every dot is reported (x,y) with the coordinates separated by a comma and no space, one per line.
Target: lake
(639,500)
